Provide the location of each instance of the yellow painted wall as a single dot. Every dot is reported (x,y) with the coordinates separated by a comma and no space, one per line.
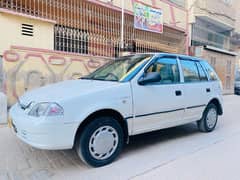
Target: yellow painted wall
(10,32)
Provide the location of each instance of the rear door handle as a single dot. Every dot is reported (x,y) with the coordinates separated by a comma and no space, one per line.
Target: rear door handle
(178,93)
(208,90)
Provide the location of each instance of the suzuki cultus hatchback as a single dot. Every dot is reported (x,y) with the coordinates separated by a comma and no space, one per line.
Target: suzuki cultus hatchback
(131,95)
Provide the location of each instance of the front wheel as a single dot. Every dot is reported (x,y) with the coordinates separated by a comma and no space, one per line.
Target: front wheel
(209,119)
(100,142)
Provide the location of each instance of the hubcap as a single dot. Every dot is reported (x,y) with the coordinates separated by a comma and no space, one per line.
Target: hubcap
(103,142)
(211,118)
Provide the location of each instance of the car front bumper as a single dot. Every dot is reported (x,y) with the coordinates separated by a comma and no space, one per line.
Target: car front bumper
(40,132)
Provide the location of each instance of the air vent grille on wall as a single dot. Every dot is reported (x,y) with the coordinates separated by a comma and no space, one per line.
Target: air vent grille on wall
(27,29)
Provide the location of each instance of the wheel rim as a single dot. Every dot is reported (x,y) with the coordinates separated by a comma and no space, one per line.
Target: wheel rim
(211,118)
(103,142)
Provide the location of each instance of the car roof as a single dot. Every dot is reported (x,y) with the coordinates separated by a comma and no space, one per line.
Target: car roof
(181,56)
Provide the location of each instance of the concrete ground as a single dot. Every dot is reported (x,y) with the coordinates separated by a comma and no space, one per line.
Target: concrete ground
(179,153)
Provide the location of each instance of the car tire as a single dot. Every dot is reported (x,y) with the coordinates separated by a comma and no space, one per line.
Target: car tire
(209,119)
(100,142)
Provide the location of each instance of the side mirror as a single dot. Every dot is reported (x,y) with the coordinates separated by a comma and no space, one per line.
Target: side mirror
(150,78)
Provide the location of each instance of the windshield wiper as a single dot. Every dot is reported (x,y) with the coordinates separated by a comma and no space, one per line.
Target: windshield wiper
(97,79)
(85,78)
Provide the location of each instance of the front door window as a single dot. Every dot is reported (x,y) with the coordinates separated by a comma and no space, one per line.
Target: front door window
(168,69)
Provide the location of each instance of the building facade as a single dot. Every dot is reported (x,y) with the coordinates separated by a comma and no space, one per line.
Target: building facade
(46,41)
(236,36)
(212,25)
(89,26)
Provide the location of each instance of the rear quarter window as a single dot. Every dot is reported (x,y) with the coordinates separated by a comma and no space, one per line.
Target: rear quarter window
(202,73)
(210,71)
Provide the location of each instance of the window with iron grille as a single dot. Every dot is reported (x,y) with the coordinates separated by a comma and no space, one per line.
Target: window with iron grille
(70,39)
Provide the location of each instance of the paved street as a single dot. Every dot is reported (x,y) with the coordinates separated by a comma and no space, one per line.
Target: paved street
(178,153)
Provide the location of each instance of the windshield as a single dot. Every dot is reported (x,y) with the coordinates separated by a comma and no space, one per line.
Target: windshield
(120,68)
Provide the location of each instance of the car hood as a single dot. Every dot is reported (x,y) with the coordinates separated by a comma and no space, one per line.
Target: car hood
(65,90)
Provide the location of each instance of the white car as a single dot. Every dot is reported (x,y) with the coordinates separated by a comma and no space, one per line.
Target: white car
(131,95)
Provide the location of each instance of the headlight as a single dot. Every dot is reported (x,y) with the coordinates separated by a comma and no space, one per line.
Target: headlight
(46,109)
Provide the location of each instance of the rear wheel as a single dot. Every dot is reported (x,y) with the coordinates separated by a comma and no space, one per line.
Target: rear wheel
(100,142)
(209,119)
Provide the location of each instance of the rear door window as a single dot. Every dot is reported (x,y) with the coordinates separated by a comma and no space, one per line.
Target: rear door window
(190,71)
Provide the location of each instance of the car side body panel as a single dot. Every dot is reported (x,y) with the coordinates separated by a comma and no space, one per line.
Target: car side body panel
(145,108)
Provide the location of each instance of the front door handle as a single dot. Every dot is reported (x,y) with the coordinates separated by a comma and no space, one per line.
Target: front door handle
(208,90)
(178,93)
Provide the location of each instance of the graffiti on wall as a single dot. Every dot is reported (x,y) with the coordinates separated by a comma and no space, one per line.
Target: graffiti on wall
(27,68)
